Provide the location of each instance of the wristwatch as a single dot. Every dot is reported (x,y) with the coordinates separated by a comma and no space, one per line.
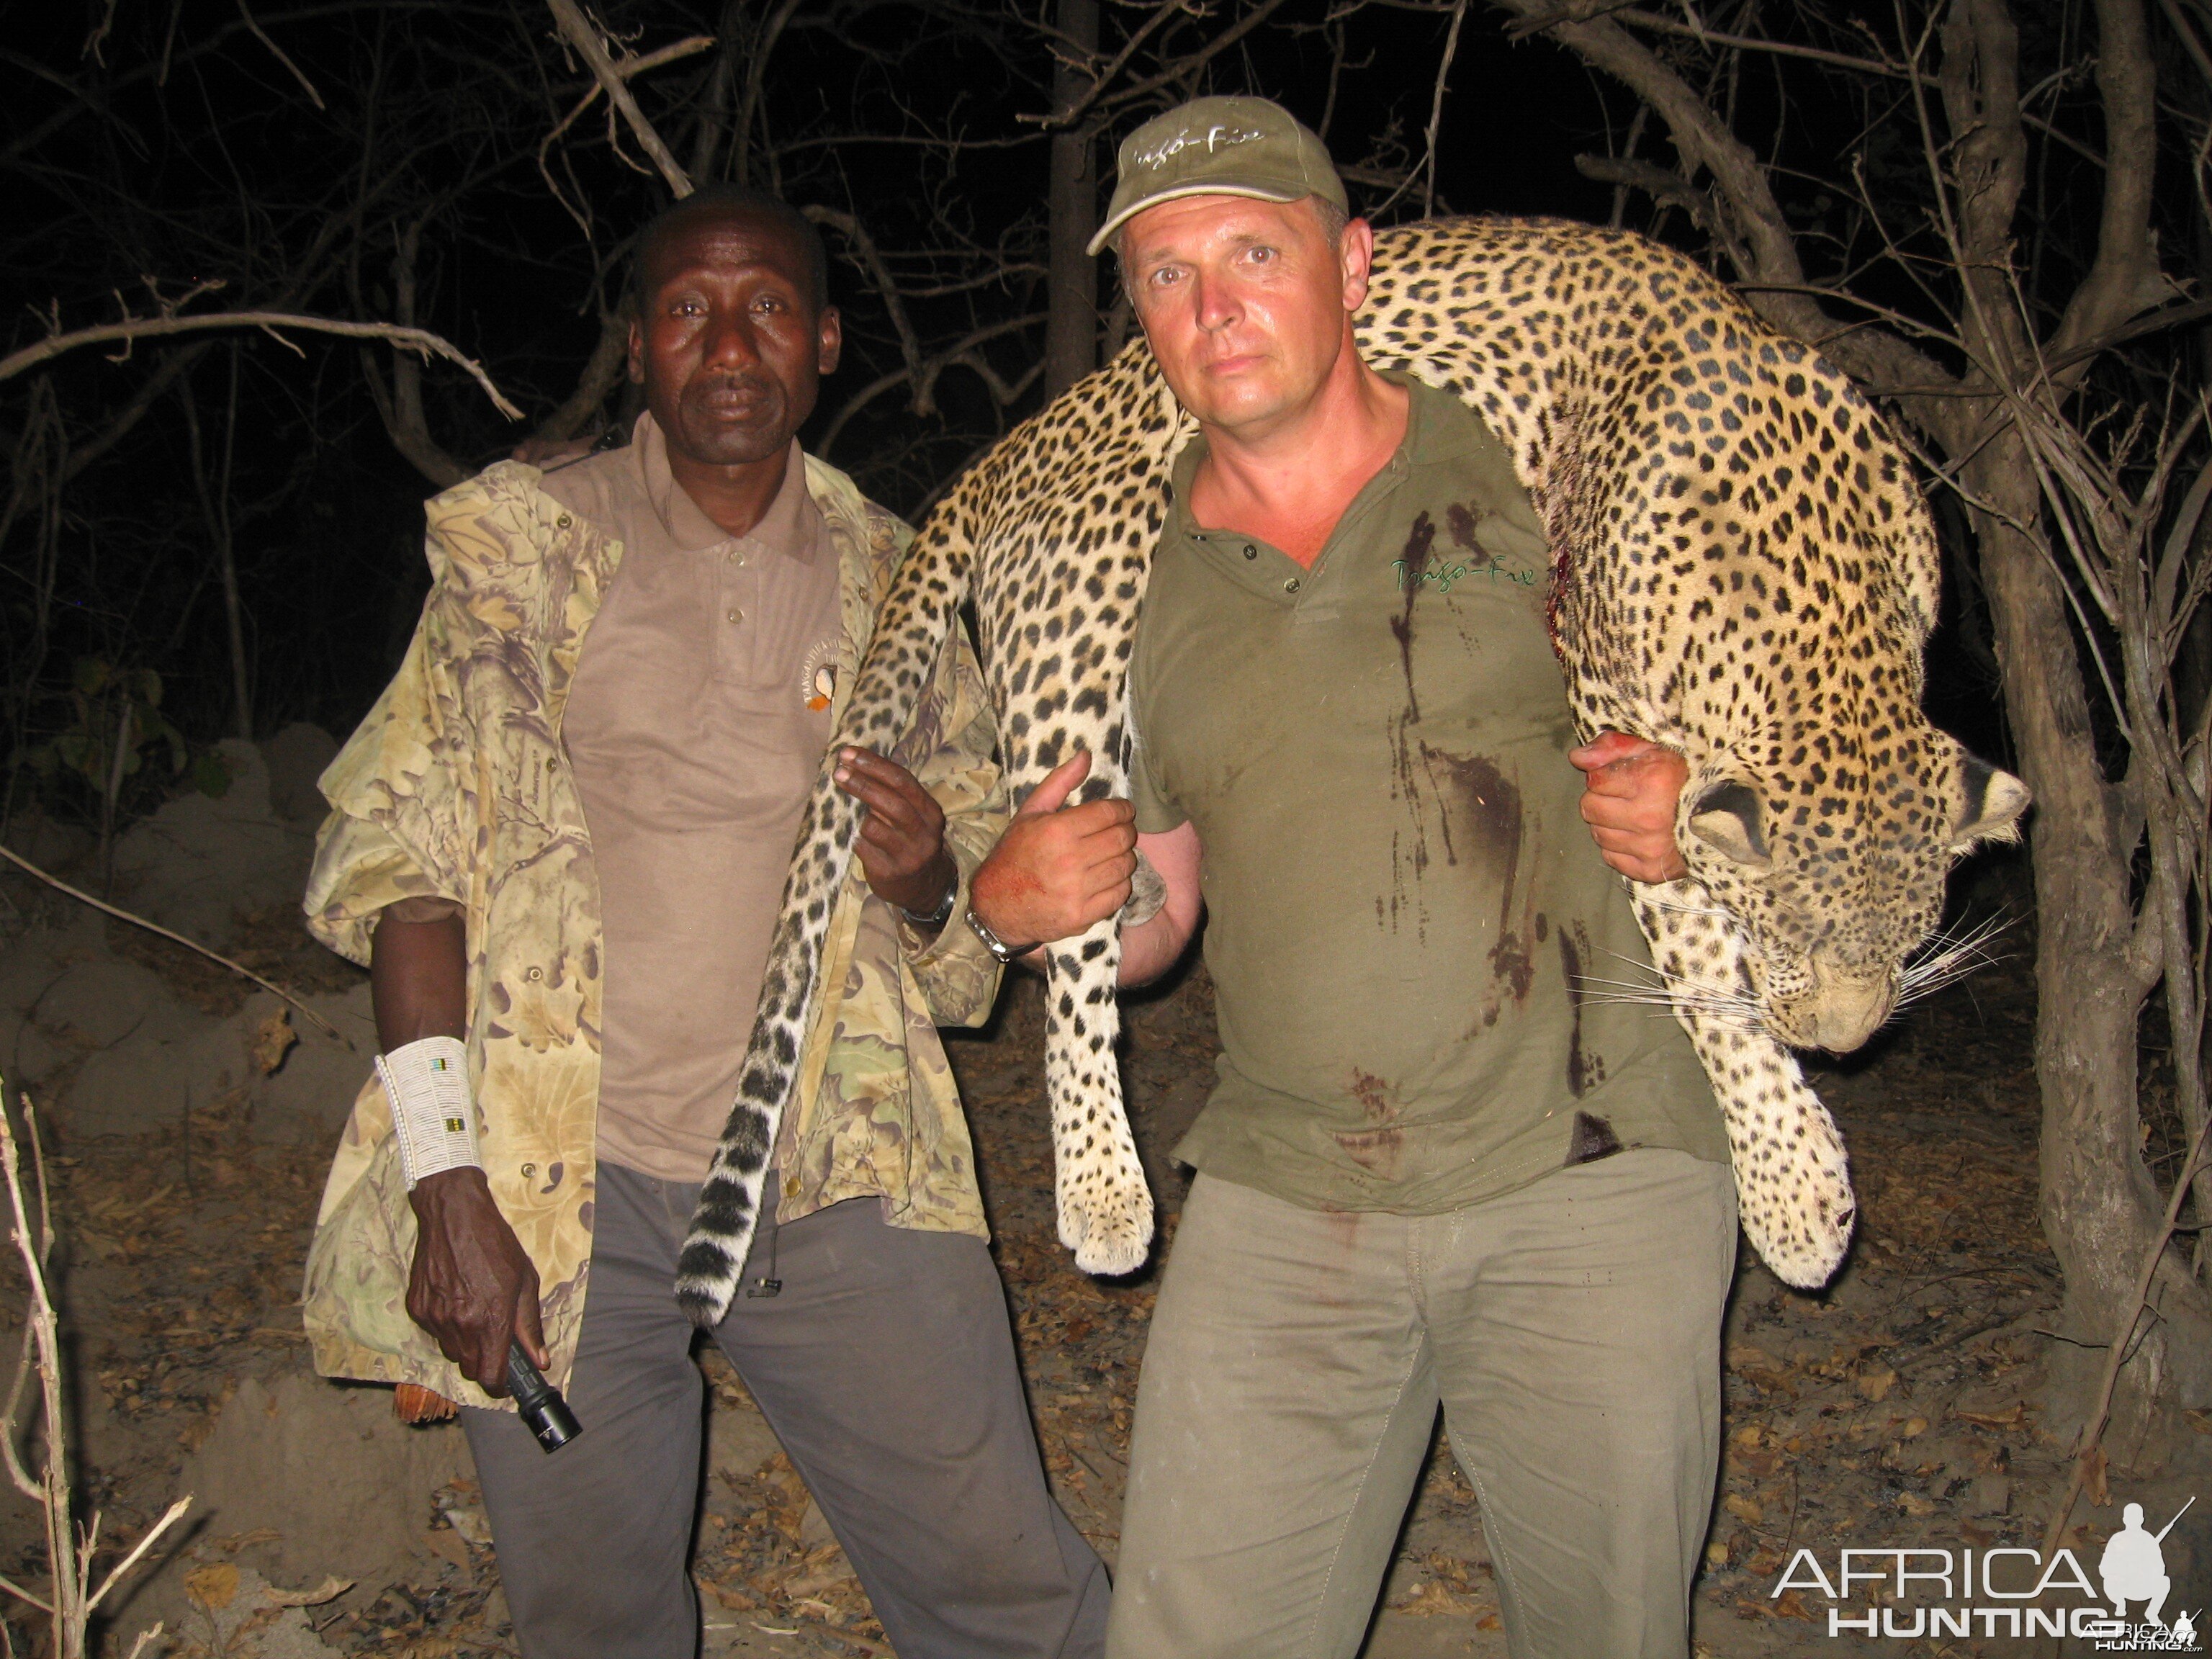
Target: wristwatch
(997,946)
(936,918)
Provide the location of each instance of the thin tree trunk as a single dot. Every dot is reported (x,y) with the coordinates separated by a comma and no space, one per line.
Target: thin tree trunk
(112,788)
(241,678)
(39,470)
(1071,333)
(214,511)
(2101,1205)
(2096,962)
(748,115)
(714,119)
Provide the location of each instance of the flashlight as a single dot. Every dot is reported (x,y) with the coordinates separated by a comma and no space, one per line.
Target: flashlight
(539,1402)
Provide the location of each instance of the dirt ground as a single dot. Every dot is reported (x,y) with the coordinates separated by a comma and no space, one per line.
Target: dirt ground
(1900,1408)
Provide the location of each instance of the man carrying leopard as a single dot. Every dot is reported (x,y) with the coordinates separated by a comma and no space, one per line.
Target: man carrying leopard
(560,840)
(1433,1171)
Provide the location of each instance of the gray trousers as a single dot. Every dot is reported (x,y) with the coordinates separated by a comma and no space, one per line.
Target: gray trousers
(886,1368)
(1571,1333)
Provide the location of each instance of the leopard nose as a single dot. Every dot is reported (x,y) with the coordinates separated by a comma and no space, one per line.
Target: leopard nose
(1846,1007)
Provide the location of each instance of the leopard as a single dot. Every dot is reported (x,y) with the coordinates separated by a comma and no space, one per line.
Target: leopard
(1743,568)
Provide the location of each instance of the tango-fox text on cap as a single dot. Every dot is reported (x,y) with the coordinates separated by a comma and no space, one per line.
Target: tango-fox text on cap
(1216,136)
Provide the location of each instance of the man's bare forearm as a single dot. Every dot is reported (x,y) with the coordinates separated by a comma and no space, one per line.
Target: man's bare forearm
(470,1285)
(1150,949)
(418,979)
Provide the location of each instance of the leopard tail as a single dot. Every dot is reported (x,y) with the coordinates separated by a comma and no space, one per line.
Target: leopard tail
(918,617)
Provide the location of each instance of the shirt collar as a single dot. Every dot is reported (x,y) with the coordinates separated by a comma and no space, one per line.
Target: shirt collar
(792,526)
(1427,439)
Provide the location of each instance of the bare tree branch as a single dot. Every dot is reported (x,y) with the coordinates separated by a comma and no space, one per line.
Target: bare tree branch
(1104,78)
(624,71)
(602,372)
(748,114)
(1179,69)
(401,407)
(281,56)
(1769,245)
(579,34)
(923,373)
(1661,186)
(1693,31)
(1437,106)
(871,260)
(136,920)
(418,340)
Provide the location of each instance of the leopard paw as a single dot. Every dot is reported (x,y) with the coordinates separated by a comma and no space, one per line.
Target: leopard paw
(1107,1220)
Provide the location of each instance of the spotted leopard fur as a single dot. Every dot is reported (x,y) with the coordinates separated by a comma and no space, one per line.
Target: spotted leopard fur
(1743,569)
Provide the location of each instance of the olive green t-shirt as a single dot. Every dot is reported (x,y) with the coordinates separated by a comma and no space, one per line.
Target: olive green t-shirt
(1408,923)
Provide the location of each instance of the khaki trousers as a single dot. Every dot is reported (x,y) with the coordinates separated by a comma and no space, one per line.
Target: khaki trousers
(1571,1333)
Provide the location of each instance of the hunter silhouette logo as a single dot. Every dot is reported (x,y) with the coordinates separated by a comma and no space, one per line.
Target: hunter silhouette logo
(2133,1565)
(2133,1568)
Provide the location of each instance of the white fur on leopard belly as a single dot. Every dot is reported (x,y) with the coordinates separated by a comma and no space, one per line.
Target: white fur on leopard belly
(1738,543)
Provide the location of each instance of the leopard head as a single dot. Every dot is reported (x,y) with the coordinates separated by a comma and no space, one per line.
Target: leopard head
(1831,853)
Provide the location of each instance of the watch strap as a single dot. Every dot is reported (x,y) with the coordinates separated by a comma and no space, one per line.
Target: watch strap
(936,918)
(997,946)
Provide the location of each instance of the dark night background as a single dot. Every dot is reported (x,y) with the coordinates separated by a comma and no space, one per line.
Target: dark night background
(1995,215)
(431,121)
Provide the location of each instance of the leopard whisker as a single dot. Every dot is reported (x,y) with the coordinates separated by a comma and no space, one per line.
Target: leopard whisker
(1661,1000)
(1679,988)
(1734,1022)
(1744,1022)
(1946,958)
(1673,981)
(1677,995)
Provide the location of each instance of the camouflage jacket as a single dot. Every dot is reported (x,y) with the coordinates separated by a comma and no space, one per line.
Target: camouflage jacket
(456,786)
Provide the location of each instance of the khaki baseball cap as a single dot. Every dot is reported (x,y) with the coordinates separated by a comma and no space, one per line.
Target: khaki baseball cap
(1219,147)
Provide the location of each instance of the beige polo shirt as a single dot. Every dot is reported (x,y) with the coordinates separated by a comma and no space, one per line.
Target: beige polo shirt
(696,727)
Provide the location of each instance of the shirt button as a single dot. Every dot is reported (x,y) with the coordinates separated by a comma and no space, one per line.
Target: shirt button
(736,616)
(1291,586)
(736,557)
(1250,551)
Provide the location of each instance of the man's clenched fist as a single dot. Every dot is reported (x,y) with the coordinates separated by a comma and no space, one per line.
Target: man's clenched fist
(1630,791)
(1057,868)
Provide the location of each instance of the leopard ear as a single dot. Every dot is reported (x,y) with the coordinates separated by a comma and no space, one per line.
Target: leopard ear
(1994,802)
(1727,819)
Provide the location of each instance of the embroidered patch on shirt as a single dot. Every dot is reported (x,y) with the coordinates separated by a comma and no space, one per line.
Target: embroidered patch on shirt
(817,675)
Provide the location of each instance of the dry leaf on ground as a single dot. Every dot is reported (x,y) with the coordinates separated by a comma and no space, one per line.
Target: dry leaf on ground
(212,1587)
(1875,1382)
(271,1041)
(329,1590)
